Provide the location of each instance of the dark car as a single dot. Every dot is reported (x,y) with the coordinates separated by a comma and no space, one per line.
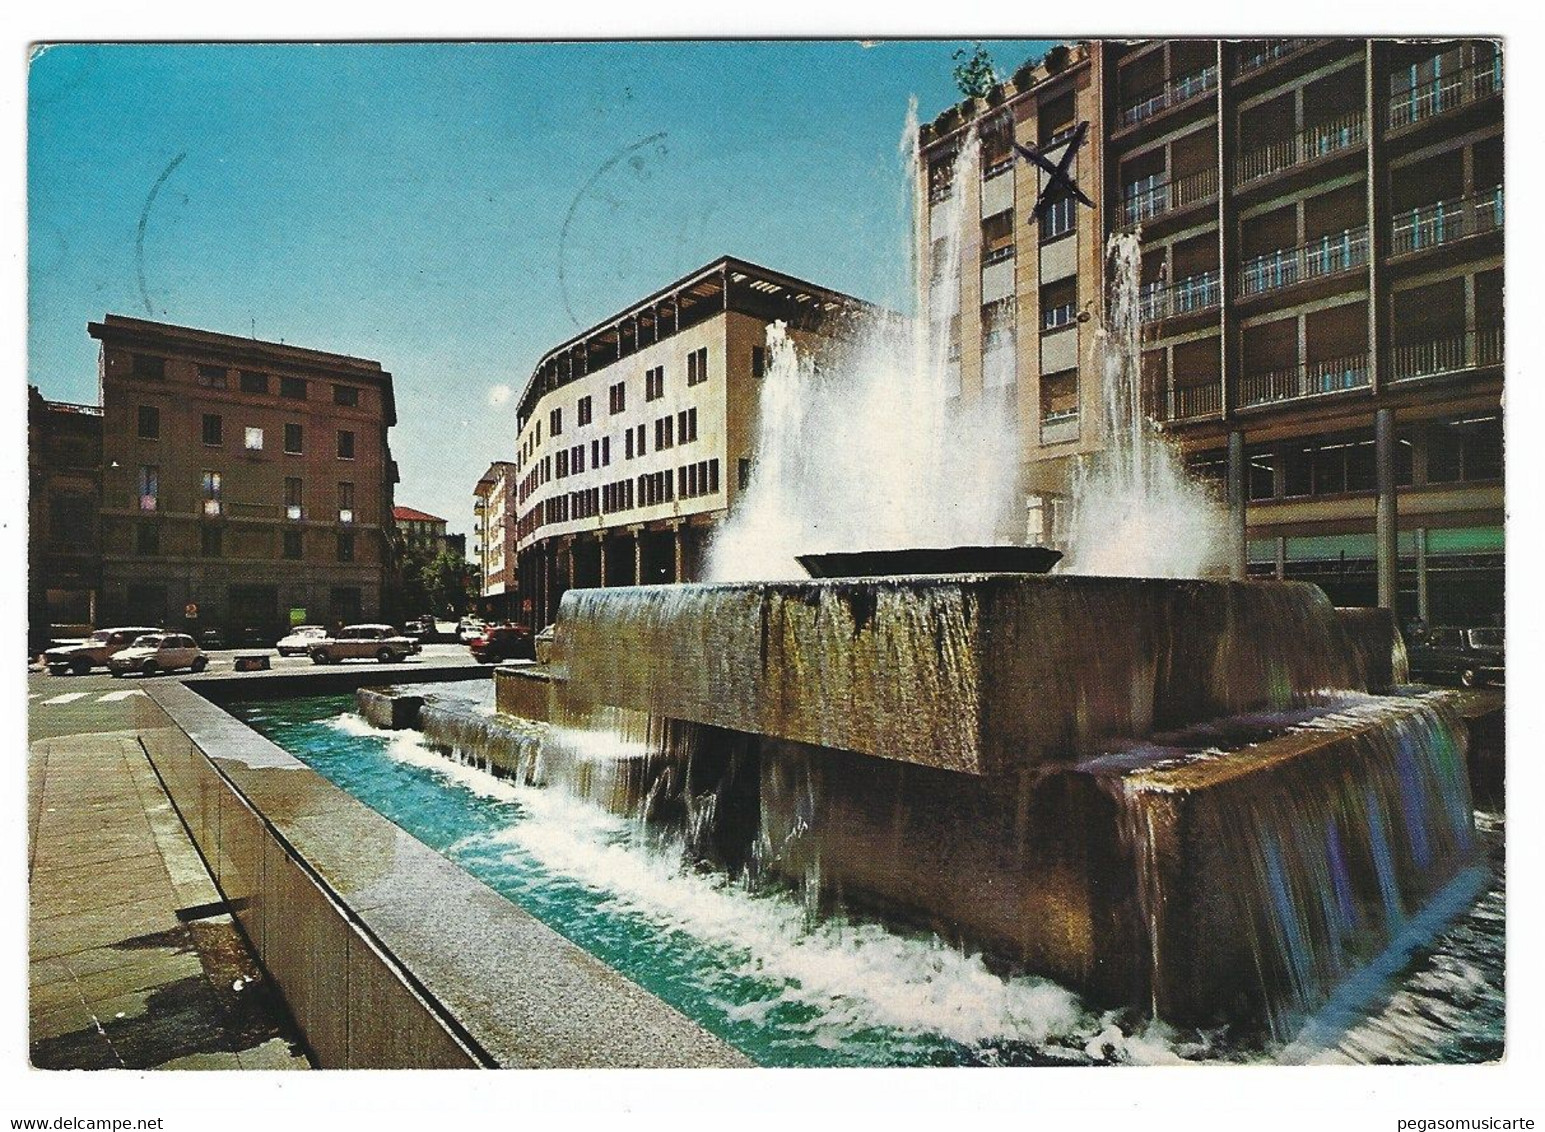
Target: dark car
(503,642)
(1470,658)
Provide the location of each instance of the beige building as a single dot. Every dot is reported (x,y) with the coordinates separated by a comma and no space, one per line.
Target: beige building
(1322,281)
(636,437)
(246,485)
(494,521)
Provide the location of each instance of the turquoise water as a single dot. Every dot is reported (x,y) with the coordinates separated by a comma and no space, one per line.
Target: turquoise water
(791,989)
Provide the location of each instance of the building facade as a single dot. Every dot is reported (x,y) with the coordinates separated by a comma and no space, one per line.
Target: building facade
(636,437)
(419,528)
(1322,280)
(246,485)
(494,523)
(64,546)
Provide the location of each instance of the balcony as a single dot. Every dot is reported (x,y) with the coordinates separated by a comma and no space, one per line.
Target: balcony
(1191,295)
(1328,256)
(1311,379)
(1264,52)
(1446,93)
(1185,402)
(1174,93)
(1323,140)
(1447,222)
(1155,196)
(1470,349)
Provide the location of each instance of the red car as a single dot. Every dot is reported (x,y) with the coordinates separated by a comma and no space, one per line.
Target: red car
(503,642)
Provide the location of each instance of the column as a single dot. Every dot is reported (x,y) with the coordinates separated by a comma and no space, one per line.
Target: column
(1236,505)
(678,544)
(1386,540)
(1421,574)
(601,542)
(638,556)
(1282,558)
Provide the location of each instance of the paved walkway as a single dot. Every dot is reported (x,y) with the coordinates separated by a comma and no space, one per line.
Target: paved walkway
(135,962)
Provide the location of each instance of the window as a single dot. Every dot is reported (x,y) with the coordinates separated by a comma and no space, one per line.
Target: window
(697,366)
(654,383)
(639,443)
(345,502)
(214,429)
(555,423)
(1059,304)
(743,473)
(254,440)
(293,507)
(345,546)
(617,397)
(211,493)
(665,433)
(627,447)
(577,459)
(585,411)
(149,422)
(293,387)
(1059,217)
(1059,397)
(253,382)
(686,425)
(346,395)
(345,444)
(210,540)
(758,361)
(292,543)
(563,463)
(149,368)
(147,539)
(595,453)
(149,486)
(213,377)
(292,439)
(1465,450)
(606,452)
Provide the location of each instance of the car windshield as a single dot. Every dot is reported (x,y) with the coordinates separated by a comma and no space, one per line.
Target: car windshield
(1486,638)
(101,636)
(148,641)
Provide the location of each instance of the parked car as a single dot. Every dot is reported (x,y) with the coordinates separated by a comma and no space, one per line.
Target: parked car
(300,638)
(212,638)
(362,642)
(1469,657)
(504,642)
(159,652)
(469,629)
(94,651)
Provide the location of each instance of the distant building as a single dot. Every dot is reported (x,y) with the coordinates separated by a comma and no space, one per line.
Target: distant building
(636,436)
(1322,292)
(419,528)
(494,519)
(64,536)
(246,484)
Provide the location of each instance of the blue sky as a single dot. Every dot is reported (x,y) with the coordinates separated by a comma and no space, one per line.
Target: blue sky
(441,207)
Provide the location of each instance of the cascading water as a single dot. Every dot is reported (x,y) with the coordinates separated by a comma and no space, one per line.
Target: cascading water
(865,444)
(1135,512)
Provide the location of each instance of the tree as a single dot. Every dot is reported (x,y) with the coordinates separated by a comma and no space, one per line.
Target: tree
(974,75)
(449,583)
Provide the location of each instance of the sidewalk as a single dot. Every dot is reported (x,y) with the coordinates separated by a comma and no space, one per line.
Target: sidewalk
(135,961)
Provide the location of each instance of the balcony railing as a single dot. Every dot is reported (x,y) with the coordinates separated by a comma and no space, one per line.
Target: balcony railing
(1197,400)
(1447,222)
(1053,417)
(1454,354)
(1190,295)
(1444,93)
(1172,93)
(1267,51)
(1327,256)
(1311,379)
(1303,147)
(1154,196)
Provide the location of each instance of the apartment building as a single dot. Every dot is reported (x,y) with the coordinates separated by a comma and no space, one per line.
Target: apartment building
(419,528)
(246,485)
(494,523)
(64,548)
(1322,228)
(636,437)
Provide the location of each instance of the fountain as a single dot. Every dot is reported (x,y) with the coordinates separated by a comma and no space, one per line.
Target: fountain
(1208,799)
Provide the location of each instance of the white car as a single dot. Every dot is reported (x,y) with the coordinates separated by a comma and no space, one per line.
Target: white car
(300,640)
(159,652)
(469,630)
(363,642)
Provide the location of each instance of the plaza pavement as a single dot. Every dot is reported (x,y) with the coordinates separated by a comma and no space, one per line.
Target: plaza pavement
(135,961)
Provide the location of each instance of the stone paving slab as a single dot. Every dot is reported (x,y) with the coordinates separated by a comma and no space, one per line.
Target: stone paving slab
(135,963)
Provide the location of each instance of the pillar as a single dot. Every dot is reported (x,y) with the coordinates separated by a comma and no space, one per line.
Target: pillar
(601,541)
(679,545)
(1421,575)
(638,557)
(1282,558)
(1386,542)
(1237,484)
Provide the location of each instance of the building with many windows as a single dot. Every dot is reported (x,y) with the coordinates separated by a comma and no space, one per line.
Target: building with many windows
(494,521)
(419,528)
(64,548)
(636,437)
(246,485)
(1322,283)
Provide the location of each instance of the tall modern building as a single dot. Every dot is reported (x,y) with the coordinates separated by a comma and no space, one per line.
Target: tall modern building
(636,437)
(1322,281)
(494,521)
(246,485)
